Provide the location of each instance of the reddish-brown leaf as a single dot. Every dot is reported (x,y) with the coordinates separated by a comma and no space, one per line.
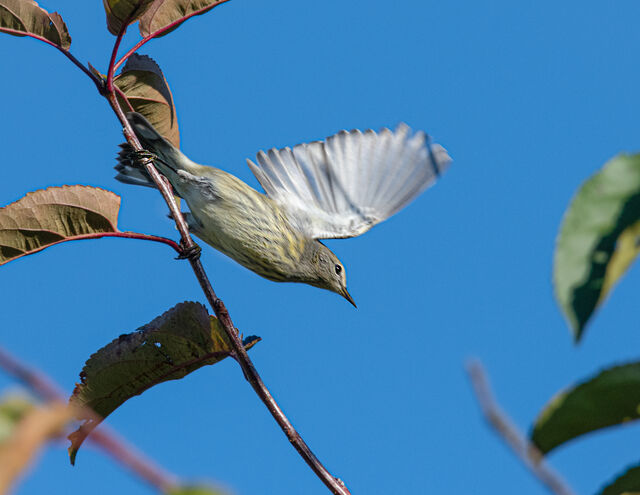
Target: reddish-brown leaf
(124,12)
(166,15)
(27,18)
(148,93)
(46,217)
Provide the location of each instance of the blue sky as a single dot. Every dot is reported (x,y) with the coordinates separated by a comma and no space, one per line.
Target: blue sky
(529,99)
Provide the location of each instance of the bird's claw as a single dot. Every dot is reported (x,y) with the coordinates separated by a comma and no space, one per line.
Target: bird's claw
(191,253)
(143,157)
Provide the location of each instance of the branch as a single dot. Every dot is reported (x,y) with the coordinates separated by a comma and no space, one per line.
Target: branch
(66,53)
(530,456)
(106,439)
(239,353)
(163,30)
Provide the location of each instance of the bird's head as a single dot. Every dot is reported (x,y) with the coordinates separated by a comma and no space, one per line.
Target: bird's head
(330,273)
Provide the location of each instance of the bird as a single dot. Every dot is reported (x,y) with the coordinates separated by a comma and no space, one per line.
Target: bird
(336,188)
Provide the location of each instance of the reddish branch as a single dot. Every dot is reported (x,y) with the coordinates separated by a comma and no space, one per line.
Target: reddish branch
(530,456)
(163,30)
(66,53)
(108,90)
(239,353)
(99,235)
(106,439)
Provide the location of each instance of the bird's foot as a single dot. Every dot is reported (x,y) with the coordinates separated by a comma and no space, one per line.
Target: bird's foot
(143,157)
(191,253)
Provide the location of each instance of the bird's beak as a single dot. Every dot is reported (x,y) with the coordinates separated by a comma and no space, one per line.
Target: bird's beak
(348,297)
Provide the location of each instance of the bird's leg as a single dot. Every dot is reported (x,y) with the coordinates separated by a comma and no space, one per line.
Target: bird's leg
(142,157)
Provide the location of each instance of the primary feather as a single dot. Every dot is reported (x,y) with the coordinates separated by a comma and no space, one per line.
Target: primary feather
(343,186)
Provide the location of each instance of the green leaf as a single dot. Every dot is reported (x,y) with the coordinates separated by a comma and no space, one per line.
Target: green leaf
(598,239)
(610,398)
(194,490)
(57,214)
(13,408)
(627,483)
(177,343)
(166,15)
(148,93)
(26,18)
(122,13)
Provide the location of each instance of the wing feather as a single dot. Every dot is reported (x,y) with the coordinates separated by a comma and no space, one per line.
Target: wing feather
(343,186)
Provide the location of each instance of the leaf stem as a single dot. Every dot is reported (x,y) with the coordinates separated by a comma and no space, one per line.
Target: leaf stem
(530,456)
(163,30)
(336,486)
(99,235)
(105,438)
(97,81)
(114,53)
(239,353)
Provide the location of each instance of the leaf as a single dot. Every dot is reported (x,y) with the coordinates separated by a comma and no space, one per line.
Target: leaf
(598,239)
(13,408)
(53,215)
(180,341)
(167,15)
(610,398)
(123,13)
(36,427)
(147,91)
(26,18)
(627,483)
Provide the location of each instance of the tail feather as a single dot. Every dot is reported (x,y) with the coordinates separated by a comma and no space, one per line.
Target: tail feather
(130,171)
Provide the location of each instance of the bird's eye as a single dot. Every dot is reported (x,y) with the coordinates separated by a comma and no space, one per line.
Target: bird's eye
(338,269)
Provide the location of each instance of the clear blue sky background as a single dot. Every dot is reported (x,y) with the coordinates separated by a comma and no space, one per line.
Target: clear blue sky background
(529,99)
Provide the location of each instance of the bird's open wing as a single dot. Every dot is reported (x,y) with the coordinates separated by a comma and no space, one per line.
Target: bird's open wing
(343,186)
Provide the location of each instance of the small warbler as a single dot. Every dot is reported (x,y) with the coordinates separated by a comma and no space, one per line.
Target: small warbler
(336,188)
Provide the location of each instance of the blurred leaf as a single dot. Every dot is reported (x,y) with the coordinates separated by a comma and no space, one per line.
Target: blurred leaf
(26,18)
(628,483)
(36,426)
(57,214)
(171,13)
(13,407)
(121,12)
(598,239)
(194,490)
(147,91)
(610,398)
(180,341)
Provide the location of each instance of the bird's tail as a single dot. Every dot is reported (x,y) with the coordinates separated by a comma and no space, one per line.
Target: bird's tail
(170,159)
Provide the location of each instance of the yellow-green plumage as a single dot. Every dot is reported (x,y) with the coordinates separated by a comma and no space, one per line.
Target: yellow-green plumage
(340,187)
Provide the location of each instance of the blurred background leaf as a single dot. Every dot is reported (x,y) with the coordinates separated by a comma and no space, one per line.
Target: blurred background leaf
(598,240)
(627,483)
(610,398)
(33,427)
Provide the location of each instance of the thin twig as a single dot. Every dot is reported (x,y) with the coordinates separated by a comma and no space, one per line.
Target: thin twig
(530,456)
(66,53)
(164,30)
(100,235)
(105,438)
(239,353)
